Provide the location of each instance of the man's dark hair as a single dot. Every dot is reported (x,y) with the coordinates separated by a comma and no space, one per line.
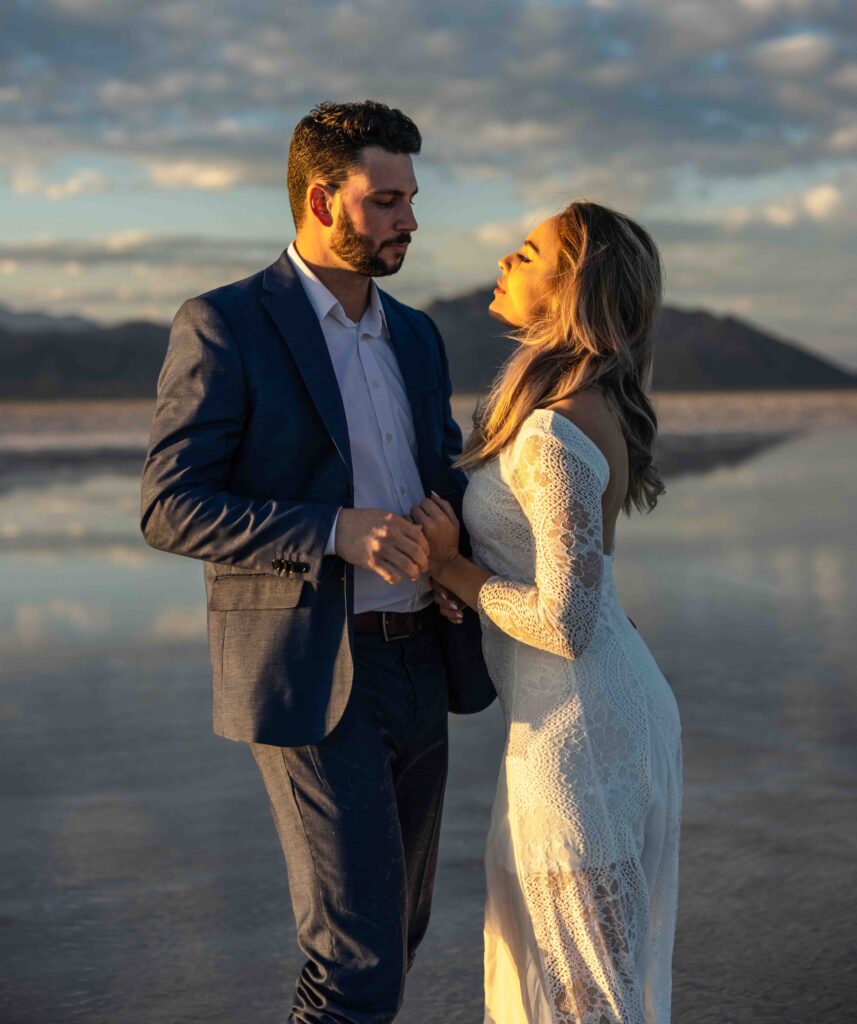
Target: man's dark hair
(327,144)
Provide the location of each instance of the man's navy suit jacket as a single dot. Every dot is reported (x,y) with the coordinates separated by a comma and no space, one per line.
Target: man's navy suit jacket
(248,462)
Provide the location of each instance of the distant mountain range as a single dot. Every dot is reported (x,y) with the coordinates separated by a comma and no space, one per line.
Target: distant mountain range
(70,357)
(694,351)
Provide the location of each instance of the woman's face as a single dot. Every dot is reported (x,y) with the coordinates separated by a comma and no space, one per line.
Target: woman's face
(527,277)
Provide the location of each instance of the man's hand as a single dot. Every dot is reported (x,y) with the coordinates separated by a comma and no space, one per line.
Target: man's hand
(389,545)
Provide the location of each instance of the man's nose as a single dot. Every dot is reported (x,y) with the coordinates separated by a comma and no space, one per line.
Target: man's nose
(408,223)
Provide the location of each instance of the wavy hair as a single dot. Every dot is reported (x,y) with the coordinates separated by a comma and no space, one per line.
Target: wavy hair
(595,332)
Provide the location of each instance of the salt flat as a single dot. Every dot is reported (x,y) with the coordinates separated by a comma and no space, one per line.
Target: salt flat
(141,878)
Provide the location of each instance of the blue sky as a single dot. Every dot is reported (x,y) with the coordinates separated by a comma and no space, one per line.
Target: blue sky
(143,143)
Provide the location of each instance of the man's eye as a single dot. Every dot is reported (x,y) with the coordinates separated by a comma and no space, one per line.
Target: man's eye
(384,202)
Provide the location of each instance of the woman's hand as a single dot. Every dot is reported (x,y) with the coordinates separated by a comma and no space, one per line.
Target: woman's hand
(440,529)
(449,605)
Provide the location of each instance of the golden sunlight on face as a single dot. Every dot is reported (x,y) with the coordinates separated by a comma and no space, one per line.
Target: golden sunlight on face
(526,277)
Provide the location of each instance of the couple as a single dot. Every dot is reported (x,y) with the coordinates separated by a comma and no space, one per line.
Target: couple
(360,584)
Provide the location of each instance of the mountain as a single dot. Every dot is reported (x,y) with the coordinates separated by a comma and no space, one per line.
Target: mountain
(94,362)
(47,357)
(694,351)
(31,320)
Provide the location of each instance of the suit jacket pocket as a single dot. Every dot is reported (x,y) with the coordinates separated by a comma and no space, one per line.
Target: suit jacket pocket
(244,591)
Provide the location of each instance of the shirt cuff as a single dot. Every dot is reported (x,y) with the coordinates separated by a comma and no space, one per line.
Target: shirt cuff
(330,547)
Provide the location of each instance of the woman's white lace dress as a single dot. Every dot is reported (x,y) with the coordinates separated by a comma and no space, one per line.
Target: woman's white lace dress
(582,856)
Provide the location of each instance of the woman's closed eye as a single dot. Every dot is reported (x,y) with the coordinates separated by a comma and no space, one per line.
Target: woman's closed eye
(523,258)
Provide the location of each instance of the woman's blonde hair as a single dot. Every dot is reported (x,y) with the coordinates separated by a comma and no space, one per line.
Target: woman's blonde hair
(595,332)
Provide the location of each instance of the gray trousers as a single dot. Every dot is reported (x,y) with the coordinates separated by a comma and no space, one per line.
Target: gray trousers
(358,817)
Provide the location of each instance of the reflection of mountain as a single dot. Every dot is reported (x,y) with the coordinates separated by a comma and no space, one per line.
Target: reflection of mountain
(68,458)
(46,357)
(687,454)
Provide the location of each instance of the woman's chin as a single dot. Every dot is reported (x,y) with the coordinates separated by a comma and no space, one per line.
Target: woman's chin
(495,314)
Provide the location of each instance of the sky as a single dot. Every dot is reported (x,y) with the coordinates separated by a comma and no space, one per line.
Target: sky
(143,143)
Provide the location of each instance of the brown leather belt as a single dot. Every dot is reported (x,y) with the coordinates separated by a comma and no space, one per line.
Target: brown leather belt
(394,625)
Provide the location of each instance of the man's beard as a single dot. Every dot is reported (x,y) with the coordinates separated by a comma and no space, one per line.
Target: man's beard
(360,252)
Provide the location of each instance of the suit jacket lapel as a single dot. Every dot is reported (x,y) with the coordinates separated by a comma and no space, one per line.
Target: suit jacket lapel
(290,309)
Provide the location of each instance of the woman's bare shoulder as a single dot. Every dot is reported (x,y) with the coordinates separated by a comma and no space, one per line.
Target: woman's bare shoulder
(590,412)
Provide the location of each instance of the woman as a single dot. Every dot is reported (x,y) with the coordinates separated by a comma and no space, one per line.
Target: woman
(582,856)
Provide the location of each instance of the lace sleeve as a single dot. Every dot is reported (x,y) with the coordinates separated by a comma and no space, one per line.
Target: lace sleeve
(560,494)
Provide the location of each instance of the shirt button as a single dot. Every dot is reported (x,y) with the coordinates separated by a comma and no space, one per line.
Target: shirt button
(376,384)
(389,437)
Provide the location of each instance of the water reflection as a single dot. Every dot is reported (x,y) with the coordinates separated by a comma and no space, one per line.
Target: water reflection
(142,879)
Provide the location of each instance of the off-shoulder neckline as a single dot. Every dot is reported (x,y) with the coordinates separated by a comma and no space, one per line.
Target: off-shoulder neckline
(580,433)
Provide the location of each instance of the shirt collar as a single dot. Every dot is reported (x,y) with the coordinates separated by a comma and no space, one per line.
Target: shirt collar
(325,303)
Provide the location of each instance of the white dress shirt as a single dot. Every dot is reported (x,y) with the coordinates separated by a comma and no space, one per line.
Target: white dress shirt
(380,429)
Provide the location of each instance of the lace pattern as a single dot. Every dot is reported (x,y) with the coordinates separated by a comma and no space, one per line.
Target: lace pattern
(560,494)
(585,826)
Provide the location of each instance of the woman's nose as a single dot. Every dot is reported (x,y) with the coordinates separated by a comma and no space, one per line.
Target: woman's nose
(503,262)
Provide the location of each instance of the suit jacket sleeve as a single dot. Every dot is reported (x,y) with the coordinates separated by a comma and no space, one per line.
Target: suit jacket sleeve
(469,685)
(186,505)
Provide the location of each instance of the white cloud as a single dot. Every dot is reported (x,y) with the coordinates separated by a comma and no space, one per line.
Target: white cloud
(123,241)
(843,139)
(845,77)
(27,182)
(195,175)
(799,54)
(822,202)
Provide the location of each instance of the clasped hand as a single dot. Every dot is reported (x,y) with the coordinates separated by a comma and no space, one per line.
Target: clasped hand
(394,547)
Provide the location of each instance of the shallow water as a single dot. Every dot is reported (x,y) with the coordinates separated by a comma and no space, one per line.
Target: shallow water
(142,880)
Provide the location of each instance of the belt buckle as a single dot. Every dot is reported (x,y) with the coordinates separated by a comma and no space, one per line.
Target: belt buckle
(387,637)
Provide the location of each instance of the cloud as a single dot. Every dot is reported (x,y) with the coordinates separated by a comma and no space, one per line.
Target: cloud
(193,174)
(27,182)
(209,102)
(679,110)
(142,248)
(800,54)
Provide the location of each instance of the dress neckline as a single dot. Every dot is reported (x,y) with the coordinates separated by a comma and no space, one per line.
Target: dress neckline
(580,433)
(593,447)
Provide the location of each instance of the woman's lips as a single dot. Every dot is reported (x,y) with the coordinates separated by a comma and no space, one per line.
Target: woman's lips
(499,288)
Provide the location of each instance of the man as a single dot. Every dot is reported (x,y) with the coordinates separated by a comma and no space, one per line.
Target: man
(301,414)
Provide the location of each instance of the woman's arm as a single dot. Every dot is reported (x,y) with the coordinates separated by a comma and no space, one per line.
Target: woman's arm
(560,493)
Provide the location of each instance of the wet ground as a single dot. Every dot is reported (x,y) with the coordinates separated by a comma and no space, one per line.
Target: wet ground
(141,878)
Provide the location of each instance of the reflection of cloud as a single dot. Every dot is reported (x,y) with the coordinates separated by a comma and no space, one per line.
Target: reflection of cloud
(179,622)
(131,557)
(36,624)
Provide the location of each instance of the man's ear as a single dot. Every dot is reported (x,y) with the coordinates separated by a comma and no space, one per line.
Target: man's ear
(319,206)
